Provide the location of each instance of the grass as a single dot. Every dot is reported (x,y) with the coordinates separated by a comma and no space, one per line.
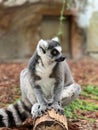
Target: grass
(91,92)
(72,110)
(90,89)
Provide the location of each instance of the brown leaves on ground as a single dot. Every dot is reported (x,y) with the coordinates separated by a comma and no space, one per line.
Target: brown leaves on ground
(9,74)
(85,71)
(9,82)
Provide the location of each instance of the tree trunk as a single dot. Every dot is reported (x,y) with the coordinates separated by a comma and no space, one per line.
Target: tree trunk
(51,121)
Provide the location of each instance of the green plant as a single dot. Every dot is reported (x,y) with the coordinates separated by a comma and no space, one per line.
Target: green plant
(61,19)
(90,89)
(90,92)
(71,110)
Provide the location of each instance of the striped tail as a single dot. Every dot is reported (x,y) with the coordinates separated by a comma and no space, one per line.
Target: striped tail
(14,114)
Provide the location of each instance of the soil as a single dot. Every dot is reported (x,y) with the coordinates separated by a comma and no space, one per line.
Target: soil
(85,72)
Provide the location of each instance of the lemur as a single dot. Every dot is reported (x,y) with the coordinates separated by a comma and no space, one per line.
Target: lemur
(46,83)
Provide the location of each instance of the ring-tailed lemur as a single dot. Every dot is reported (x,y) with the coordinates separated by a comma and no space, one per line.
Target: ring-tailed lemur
(45,82)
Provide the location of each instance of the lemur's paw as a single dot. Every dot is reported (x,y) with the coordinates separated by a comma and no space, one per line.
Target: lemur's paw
(58,108)
(38,110)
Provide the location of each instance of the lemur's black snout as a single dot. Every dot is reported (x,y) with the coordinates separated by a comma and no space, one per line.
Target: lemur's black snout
(60,59)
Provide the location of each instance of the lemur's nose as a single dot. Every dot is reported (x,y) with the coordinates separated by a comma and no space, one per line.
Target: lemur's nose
(60,59)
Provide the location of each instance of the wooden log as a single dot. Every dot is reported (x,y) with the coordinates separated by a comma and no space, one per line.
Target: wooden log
(51,121)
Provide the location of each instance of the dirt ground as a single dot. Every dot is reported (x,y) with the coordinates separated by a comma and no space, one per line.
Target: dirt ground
(85,72)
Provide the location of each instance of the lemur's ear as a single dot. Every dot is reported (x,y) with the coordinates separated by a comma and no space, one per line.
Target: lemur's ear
(56,39)
(42,45)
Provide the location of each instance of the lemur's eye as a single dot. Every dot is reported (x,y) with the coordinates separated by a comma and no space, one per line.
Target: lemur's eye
(55,52)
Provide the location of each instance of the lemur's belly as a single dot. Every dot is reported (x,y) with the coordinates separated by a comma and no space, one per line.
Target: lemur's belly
(47,85)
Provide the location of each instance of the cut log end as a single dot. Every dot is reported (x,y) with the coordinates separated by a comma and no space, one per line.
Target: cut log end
(51,121)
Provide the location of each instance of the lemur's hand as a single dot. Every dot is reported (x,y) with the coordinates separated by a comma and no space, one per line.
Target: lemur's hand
(38,110)
(56,106)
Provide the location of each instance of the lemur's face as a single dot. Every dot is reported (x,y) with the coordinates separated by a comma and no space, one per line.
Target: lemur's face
(51,50)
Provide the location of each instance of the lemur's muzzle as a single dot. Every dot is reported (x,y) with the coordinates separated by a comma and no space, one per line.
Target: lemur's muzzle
(60,59)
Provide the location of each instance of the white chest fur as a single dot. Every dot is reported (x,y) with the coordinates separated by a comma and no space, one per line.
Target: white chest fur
(46,83)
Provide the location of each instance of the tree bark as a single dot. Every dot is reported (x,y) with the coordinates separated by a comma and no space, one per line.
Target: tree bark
(51,121)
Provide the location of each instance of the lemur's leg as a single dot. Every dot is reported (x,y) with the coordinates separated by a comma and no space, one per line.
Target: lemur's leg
(70,93)
(28,95)
(26,89)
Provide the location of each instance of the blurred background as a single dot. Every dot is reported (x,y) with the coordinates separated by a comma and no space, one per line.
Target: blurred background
(23,23)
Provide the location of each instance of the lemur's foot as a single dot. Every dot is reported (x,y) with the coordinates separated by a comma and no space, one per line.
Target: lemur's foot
(38,110)
(57,107)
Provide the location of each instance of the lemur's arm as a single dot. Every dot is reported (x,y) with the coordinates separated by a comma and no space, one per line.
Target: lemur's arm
(57,91)
(39,95)
(67,91)
(57,97)
(63,78)
(67,75)
(55,101)
(41,106)
(71,89)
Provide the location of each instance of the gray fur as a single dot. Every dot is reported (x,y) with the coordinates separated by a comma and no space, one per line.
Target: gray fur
(44,84)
